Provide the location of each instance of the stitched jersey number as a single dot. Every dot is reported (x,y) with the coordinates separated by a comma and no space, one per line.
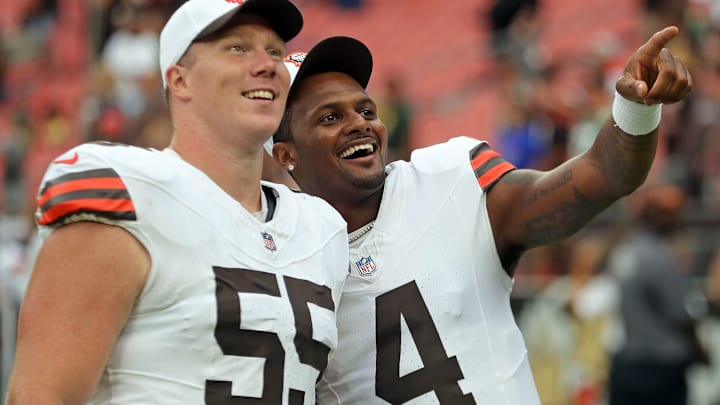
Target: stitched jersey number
(440,372)
(251,343)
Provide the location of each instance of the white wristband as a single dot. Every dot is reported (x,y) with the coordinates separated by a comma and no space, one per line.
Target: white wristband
(635,118)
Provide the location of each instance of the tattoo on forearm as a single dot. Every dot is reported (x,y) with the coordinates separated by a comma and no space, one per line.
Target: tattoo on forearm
(564,178)
(619,160)
(564,221)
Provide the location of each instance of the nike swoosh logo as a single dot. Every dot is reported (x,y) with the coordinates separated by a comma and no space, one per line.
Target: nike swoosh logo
(68,161)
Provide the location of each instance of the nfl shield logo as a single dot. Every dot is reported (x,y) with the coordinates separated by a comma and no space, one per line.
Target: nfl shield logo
(365,266)
(269,242)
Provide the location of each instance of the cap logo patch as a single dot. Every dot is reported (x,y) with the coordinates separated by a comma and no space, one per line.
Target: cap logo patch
(235,1)
(296,58)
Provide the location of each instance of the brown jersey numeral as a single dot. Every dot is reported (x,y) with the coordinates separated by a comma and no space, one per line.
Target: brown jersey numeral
(440,372)
(235,341)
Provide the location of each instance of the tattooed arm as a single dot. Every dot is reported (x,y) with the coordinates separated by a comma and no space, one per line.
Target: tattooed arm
(531,208)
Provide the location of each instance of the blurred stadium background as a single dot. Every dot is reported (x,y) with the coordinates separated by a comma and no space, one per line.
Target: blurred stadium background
(534,78)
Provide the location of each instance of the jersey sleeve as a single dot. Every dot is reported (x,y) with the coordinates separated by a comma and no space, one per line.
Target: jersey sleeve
(489,166)
(81,185)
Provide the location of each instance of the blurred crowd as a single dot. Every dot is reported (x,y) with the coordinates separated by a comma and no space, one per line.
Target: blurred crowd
(554,105)
(73,71)
(70,72)
(627,312)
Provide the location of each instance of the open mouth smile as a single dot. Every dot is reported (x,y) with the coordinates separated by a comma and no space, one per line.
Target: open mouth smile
(259,95)
(358,151)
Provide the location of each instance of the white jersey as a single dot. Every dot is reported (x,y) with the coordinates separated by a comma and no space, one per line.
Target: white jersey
(425,315)
(234,308)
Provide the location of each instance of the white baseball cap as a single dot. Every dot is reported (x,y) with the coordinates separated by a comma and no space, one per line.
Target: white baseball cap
(198,18)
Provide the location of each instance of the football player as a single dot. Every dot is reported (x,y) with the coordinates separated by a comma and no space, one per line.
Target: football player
(425,315)
(175,276)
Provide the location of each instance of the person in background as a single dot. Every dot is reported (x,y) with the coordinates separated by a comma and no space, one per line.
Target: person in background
(659,340)
(176,276)
(569,327)
(704,380)
(425,314)
(396,113)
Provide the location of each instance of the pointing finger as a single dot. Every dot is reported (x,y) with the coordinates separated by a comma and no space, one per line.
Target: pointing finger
(658,41)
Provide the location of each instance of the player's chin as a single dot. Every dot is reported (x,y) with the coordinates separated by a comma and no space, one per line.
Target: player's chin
(365,173)
(365,167)
(369,179)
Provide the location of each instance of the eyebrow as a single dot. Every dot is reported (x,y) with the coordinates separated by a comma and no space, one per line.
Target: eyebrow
(334,105)
(249,36)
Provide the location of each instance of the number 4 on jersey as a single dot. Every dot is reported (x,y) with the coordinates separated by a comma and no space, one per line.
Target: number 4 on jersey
(440,372)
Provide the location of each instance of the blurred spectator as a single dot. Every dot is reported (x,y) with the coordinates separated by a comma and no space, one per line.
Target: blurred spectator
(568,327)
(26,42)
(155,132)
(514,33)
(16,254)
(130,53)
(123,103)
(662,12)
(593,87)
(23,45)
(705,381)
(555,102)
(525,134)
(536,270)
(693,144)
(58,131)
(659,340)
(396,113)
(698,20)
(14,150)
(100,116)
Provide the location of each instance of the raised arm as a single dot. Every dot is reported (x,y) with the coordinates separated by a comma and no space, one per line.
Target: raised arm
(530,208)
(85,282)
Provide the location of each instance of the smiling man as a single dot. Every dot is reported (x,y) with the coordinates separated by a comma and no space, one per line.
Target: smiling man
(425,314)
(175,276)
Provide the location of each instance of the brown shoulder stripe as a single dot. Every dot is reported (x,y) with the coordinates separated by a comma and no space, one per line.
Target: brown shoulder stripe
(488,165)
(100,192)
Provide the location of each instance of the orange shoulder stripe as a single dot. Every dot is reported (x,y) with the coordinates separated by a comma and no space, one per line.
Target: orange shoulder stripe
(491,176)
(118,208)
(100,192)
(483,157)
(109,183)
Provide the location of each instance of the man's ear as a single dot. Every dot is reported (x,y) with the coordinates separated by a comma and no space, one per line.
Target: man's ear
(276,173)
(176,79)
(283,154)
